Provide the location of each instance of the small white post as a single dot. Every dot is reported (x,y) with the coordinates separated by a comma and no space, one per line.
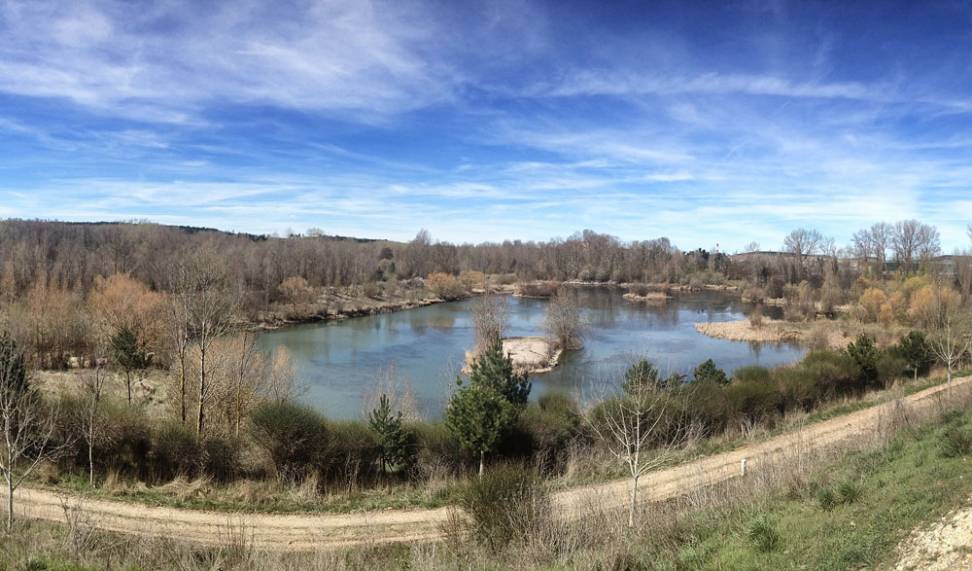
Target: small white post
(742,467)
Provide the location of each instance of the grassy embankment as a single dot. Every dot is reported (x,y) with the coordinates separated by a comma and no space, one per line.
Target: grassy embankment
(263,496)
(848,513)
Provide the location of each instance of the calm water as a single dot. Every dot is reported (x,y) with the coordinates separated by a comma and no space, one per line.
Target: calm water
(339,363)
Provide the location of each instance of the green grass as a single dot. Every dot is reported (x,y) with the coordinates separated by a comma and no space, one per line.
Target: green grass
(852,515)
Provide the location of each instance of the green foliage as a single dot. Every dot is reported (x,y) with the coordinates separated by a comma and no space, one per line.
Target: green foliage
(640,377)
(708,371)
(827,499)
(127,351)
(393,440)
(754,396)
(956,442)
(495,370)
(551,425)
(294,436)
(13,366)
(478,416)
(762,534)
(505,506)
(864,353)
(175,452)
(849,492)
(916,352)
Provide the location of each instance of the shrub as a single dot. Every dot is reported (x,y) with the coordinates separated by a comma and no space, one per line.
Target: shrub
(703,404)
(505,505)
(849,492)
(762,534)
(827,499)
(294,436)
(955,441)
(175,452)
(708,371)
(754,397)
(551,425)
(221,459)
(445,285)
(352,450)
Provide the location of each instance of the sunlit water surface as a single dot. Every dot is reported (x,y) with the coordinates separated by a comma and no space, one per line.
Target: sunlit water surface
(340,364)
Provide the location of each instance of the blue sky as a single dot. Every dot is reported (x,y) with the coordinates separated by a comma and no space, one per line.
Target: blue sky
(710,123)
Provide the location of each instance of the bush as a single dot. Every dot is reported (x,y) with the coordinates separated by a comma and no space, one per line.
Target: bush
(294,436)
(351,451)
(827,499)
(175,452)
(754,396)
(849,492)
(762,534)
(221,459)
(505,505)
(551,425)
(446,286)
(955,442)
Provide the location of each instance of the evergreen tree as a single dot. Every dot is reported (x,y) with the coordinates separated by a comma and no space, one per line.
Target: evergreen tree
(916,352)
(13,367)
(640,377)
(478,417)
(127,352)
(866,355)
(495,370)
(393,441)
(708,371)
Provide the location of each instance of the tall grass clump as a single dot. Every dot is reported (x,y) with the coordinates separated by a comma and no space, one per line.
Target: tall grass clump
(505,505)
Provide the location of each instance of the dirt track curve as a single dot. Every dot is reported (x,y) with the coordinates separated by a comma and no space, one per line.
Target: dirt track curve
(322,531)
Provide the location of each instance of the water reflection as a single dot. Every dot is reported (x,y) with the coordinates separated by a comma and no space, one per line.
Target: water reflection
(340,362)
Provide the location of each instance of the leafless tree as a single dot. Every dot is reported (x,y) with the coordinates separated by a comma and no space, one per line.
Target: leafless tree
(28,428)
(490,314)
(913,241)
(210,305)
(637,429)
(950,329)
(247,376)
(93,384)
(281,377)
(563,320)
(803,242)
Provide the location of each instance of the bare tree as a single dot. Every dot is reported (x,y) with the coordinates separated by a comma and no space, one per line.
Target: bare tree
(210,305)
(913,241)
(246,378)
(637,429)
(803,242)
(281,377)
(563,320)
(950,336)
(28,428)
(93,384)
(490,315)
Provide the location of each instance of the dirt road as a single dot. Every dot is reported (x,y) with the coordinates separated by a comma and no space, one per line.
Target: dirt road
(321,531)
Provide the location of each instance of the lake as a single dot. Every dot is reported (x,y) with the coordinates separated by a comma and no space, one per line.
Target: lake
(339,364)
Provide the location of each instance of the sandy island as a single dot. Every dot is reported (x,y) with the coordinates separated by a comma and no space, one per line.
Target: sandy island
(826,333)
(650,297)
(530,355)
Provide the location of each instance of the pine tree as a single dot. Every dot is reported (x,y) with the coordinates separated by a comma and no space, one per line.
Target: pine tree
(478,417)
(641,376)
(708,371)
(495,370)
(916,352)
(127,352)
(393,441)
